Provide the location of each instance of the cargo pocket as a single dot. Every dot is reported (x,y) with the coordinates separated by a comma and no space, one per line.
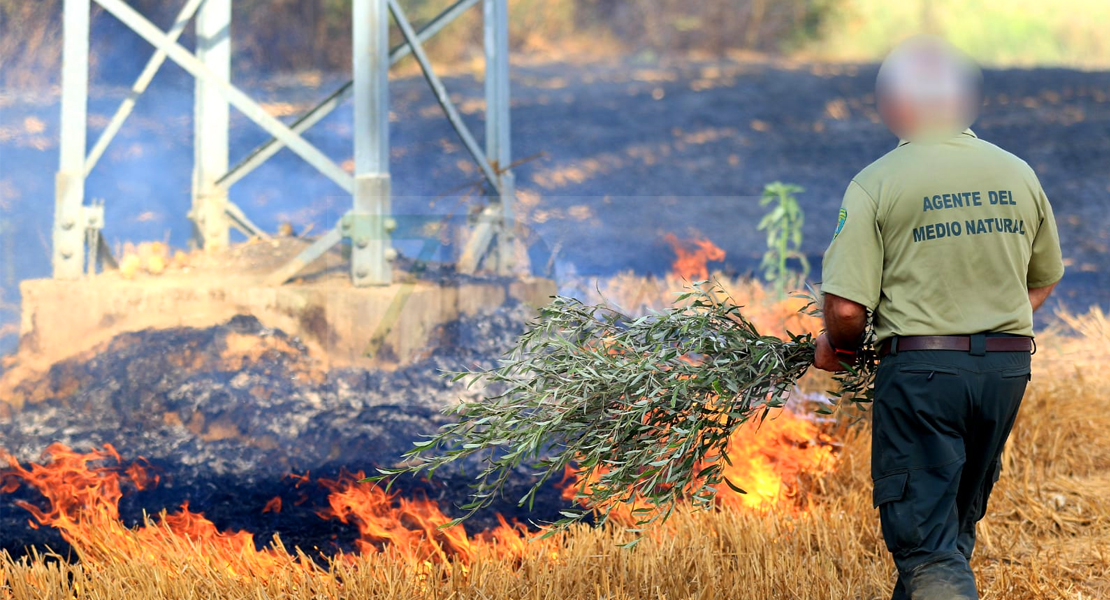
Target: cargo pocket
(899,525)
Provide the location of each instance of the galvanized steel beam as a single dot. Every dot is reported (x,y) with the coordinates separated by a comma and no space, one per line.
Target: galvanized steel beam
(441,95)
(139,86)
(496,221)
(211,119)
(371,248)
(264,151)
(242,222)
(495,15)
(271,147)
(486,226)
(496,44)
(69,189)
(368,224)
(148,31)
(302,260)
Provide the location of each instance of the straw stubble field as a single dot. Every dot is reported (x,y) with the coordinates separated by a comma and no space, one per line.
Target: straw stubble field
(1047,534)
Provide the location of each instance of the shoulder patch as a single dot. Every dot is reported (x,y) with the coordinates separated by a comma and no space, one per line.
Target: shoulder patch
(840,222)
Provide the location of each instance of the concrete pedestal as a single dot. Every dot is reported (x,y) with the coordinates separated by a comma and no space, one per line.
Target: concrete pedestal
(371,326)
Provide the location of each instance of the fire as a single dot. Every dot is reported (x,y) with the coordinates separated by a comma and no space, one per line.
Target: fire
(82,497)
(507,539)
(414,528)
(772,315)
(83,504)
(274,505)
(409,526)
(692,257)
(72,488)
(769,462)
(82,492)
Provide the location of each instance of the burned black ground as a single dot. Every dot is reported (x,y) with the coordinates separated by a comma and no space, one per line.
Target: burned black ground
(225,435)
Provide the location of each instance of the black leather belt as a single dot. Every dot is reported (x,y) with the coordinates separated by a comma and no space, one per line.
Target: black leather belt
(956,342)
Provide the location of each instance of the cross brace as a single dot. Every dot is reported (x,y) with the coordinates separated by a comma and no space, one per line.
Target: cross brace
(357,224)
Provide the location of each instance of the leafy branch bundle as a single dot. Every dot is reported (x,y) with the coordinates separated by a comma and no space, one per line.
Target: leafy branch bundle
(643,408)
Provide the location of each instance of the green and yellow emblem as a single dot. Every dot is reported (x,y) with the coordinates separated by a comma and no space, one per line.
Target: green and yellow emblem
(840,222)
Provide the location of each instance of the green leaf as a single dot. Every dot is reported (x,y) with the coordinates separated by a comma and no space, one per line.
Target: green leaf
(616,396)
(733,486)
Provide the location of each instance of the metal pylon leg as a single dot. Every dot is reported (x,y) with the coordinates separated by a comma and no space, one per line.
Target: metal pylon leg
(210,143)
(496,222)
(371,250)
(69,190)
(498,139)
(368,224)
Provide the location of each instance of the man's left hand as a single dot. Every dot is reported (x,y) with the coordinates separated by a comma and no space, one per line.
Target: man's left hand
(824,357)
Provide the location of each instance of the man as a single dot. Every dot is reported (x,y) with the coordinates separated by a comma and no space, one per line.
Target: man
(951,244)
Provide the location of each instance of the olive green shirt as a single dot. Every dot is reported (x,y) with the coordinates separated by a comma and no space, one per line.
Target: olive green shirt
(944,239)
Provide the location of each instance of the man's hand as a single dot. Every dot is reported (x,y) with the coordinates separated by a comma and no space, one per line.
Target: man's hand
(824,357)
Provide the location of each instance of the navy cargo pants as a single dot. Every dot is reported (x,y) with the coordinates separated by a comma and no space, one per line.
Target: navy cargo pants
(940,421)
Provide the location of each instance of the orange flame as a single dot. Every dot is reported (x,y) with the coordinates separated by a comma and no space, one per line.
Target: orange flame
(84,506)
(83,503)
(692,257)
(769,462)
(410,526)
(72,488)
(508,538)
(274,505)
(141,476)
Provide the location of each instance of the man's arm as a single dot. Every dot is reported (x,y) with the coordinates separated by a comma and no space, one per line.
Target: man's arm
(1037,296)
(853,275)
(845,323)
(1046,265)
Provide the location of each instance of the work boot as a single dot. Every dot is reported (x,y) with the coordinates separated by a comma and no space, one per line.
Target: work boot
(949,578)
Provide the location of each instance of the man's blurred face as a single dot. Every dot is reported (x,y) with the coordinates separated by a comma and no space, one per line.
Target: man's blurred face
(928,91)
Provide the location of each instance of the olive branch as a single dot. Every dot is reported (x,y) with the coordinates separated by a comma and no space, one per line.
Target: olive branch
(643,407)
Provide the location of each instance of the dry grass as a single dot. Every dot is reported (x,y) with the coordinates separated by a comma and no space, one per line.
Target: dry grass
(1047,534)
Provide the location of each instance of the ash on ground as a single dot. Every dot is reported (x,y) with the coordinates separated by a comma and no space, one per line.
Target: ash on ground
(224,414)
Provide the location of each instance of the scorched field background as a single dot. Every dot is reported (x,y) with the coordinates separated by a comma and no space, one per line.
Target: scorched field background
(624,151)
(622,145)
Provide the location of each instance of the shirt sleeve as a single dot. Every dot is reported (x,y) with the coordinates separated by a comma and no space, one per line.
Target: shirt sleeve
(1046,265)
(853,263)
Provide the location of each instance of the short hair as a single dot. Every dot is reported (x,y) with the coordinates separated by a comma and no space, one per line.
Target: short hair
(939,86)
